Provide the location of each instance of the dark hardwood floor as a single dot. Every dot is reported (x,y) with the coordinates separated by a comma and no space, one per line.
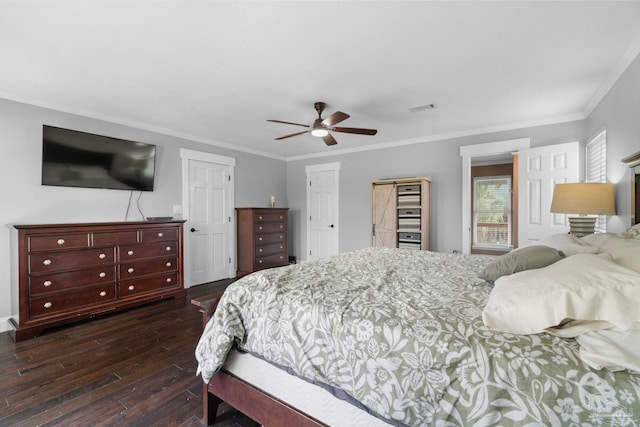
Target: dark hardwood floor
(135,368)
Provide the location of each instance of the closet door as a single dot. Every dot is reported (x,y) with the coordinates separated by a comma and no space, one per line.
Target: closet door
(384,215)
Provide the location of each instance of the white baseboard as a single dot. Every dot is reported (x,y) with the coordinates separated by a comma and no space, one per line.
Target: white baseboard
(4,324)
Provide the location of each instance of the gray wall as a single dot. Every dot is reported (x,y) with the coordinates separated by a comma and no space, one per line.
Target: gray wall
(26,201)
(439,160)
(619,113)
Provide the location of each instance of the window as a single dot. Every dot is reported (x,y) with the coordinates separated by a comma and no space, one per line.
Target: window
(492,212)
(596,169)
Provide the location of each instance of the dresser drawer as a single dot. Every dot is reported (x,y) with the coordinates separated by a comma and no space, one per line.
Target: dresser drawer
(403,189)
(260,217)
(273,227)
(264,250)
(130,270)
(67,260)
(149,284)
(269,238)
(115,238)
(159,235)
(59,241)
(271,261)
(52,282)
(409,237)
(52,304)
(151,250)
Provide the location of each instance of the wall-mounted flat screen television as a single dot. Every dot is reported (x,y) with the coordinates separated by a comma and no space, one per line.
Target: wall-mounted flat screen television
(78,159)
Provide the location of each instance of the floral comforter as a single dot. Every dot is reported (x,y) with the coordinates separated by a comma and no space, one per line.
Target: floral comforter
(401,332)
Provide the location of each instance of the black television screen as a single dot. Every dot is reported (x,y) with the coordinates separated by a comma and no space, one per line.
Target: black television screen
(77,159)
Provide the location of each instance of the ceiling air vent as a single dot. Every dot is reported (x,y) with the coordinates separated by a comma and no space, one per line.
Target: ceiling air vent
(422,107)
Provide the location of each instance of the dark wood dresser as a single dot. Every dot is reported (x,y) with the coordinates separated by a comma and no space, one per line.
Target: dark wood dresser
(262,239)
(69,272)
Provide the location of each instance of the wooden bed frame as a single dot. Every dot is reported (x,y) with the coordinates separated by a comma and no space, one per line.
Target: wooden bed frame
(634,164)
(270,411)
(251,401)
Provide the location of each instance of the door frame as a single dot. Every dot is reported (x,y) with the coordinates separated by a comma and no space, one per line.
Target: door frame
(326,167)
(480,150)
(186,155)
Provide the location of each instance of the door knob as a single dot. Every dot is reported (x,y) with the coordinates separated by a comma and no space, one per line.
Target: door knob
(194,230)
(331,226)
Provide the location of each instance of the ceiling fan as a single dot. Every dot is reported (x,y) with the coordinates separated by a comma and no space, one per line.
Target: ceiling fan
(321,127)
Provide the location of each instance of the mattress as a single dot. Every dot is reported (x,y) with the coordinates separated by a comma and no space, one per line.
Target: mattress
(309,398)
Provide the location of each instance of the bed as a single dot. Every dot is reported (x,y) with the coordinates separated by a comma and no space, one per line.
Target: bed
(416,338)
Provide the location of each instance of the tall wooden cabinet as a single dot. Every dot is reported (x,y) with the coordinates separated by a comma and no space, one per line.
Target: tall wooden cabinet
(400,213)
(262,239)
(69,272)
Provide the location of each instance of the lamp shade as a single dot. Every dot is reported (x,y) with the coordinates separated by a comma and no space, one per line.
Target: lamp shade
(584,198)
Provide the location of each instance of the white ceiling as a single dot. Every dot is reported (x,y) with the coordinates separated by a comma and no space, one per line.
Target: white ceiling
(215,71)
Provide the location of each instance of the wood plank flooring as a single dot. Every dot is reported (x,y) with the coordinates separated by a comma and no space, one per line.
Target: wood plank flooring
(135,368)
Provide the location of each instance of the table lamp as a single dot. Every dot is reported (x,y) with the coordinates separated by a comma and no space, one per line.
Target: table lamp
(582,199)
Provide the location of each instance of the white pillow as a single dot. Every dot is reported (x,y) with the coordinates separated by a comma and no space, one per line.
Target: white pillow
(615,245)
(581,287)
(569,244)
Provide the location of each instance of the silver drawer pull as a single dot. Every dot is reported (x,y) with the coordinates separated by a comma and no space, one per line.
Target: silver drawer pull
(47,262)
(130,270)
(168,248)
(102,274)
(259,261)
(260,228)
(103,293)
(130,253)
(281,257)
(260,217)
(60,241)
(131,287)
(259,250)
(281,237)
(48,304)
(260,238)
(169,280)
(282,226)
(160,234)
(281,247)
(168,264)
(102,256)
(47,283)
(281,217)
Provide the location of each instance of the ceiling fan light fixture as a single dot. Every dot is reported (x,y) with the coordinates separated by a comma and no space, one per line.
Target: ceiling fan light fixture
(318,130)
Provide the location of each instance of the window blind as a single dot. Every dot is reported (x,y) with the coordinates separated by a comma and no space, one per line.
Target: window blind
(596,169)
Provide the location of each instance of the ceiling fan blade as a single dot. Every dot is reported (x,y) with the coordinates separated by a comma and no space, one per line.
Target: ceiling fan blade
(359,131)
(329,140)
(288,123)
(336,117)
(291,134)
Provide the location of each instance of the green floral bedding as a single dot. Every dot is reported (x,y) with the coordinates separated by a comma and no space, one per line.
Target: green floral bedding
(401,332)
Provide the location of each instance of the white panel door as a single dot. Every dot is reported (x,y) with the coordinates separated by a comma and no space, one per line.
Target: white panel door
(322,202)
(539,170)
(209,222)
